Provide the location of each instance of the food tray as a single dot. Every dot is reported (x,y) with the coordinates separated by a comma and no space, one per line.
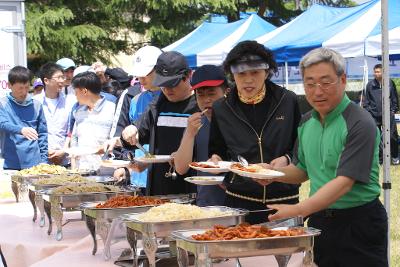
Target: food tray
(150,231)
(164,228)
(111,213)
(55,203)
(204,251)
(104,220)
(74,200)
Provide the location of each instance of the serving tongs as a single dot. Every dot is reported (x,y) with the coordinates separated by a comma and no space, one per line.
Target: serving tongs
(288,222)
(146,153)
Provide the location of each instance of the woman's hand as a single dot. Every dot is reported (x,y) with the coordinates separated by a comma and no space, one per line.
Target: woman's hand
(265,182)
(215,158)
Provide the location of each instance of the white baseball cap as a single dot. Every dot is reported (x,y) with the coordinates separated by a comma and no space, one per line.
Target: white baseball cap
(66,63)
(82,69)
(144,60)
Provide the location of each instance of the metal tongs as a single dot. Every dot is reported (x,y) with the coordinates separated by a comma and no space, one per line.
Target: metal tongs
(288,222)
(146,153)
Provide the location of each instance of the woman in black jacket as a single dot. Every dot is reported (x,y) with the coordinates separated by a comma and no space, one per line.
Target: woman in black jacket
(257,120)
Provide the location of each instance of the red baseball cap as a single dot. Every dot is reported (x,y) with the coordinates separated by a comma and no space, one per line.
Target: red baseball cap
(207,76)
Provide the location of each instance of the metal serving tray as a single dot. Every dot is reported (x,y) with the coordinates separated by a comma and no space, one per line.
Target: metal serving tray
(205,251)
(55,203)
(103,220)
(150,231)
(36,197)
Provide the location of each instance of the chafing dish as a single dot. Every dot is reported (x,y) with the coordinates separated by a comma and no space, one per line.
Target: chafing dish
(205,251)
(105,221)
(35,196)
(150,231)
(54,204)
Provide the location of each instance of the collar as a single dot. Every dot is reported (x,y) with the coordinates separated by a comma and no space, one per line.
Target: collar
(28,100)
(99,104)
(331,116)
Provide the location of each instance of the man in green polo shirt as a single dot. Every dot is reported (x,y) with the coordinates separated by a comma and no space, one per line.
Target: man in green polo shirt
(337,149)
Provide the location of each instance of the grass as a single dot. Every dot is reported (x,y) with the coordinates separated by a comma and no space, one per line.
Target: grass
(394,212)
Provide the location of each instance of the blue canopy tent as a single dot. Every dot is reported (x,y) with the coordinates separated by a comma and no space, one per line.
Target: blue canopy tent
(218,38)
(310,30)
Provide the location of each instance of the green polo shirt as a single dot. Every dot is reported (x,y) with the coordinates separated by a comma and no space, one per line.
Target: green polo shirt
(346,144)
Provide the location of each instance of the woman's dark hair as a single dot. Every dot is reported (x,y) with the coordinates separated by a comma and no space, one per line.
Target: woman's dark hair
(88,80)
(19,74)
(112,87)
(250,48)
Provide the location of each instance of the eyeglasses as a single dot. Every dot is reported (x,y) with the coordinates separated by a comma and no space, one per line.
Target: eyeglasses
(59,78)
(325,85)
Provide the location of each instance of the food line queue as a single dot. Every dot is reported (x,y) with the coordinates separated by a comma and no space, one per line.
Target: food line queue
(254,118)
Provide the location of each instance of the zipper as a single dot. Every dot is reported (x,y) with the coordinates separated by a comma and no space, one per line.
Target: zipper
(259,137)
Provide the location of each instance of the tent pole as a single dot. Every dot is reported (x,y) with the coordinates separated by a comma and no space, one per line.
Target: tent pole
(386,114)
(286,75)
(364,82)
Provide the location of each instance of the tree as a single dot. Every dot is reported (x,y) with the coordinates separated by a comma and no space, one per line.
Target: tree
(94,30)
(163,21)
(82,30)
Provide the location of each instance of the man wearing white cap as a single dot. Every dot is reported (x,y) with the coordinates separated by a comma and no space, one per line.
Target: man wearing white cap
(68,65)
(143,68)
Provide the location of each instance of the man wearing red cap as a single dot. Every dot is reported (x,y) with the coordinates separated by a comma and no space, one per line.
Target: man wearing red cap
(210,84)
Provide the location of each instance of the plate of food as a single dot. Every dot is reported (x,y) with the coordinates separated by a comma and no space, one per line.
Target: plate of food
(205,180)
(254,171)
(115,163)
(154,159)
(211,167)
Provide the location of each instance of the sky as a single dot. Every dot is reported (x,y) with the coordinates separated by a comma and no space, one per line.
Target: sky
(360,1)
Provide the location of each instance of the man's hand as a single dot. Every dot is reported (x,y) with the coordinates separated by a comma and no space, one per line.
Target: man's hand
(119,174)
(194,124)
(279,162)
(29,133)
(111,144)
(56,156)
(284,211)
(130,134)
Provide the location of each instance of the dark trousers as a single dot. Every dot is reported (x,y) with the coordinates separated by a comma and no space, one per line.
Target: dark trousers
(351,237)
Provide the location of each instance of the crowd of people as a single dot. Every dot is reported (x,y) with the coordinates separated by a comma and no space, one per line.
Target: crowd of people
(216,113)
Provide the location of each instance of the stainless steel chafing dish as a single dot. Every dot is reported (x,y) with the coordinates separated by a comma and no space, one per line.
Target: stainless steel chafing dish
(35,196)
(54,204)
(105,221)
(282,247)
(150,231)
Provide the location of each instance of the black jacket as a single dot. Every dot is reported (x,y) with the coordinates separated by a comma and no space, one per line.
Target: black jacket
(123,119)
(231,135)
(373,99)
(147,128)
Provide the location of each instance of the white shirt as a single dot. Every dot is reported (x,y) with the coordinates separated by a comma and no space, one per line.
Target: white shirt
(57,112)
(92,128)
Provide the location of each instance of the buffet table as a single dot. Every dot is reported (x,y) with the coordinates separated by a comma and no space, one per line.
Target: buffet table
(24,243)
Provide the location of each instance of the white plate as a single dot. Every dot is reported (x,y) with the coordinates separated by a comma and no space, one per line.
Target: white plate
(156,159)
(114,163)
(223,166)
(263,174)
(205,180)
